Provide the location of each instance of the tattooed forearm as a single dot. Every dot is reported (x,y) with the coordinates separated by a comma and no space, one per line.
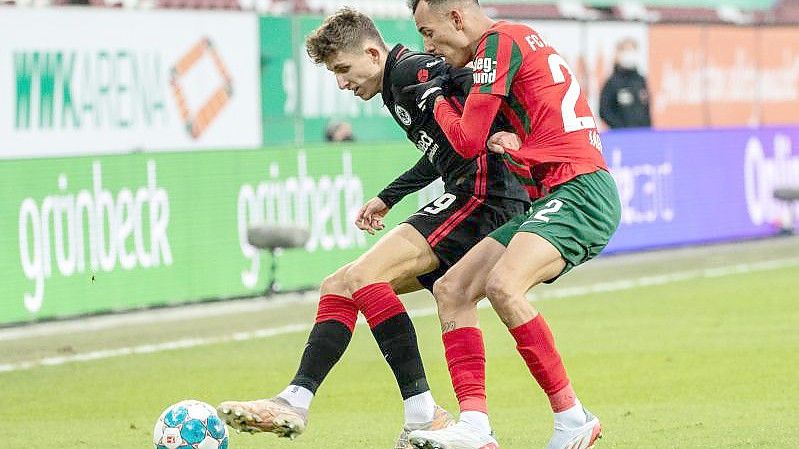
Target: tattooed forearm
(448,326)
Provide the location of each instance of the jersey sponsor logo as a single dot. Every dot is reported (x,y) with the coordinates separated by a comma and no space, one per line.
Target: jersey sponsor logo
(434,63)
(427,145)
(423,75)
(403,115)
(485,70)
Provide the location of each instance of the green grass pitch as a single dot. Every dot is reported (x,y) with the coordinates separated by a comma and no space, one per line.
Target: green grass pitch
(708,363)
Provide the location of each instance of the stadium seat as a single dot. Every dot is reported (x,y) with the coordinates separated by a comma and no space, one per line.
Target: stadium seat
(734,15)
(28,3)
(687,15)
(574,9)
(274,239)
(634,11)
(789,196)
(786,11)
(521,11)
(694,11)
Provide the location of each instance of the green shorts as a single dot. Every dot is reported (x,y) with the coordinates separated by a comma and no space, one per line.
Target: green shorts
(577,217)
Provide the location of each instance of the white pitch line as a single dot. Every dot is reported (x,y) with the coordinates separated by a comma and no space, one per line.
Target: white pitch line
(149,316)
(555,293)
(153,348)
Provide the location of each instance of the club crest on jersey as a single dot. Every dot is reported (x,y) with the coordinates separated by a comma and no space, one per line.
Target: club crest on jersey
(403,115)
(485,71)
(423,75)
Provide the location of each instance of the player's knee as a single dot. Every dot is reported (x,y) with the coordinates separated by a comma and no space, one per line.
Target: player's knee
(452,293)
(499,292)
(357,275)
(336,284)
(444,292)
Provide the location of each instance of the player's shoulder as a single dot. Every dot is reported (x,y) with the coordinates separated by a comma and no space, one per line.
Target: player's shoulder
(521,35)
(415,68)
(509,30)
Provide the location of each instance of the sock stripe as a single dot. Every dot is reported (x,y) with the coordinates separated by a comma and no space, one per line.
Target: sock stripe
(378,302)
(337,308)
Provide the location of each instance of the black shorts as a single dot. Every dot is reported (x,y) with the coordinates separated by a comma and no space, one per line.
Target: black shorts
(455,221)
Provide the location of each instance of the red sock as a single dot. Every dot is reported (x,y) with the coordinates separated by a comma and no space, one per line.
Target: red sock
(466,361)
(535,343)
(378,302)
(337,308)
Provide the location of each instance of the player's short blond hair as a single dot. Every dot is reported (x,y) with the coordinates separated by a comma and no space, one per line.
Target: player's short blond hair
(347,29)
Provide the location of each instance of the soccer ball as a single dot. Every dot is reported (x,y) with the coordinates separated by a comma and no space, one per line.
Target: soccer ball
(190,425)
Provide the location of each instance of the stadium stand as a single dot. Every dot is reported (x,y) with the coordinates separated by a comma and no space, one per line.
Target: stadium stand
(684,11)
(786,11)
(513,11)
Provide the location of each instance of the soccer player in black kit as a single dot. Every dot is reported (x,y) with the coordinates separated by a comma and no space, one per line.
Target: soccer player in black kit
(480,195)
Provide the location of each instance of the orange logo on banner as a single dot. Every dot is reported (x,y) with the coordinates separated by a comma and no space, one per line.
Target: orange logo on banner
(731,76)
(676,66)
(779,71)
(723,76)
(198,122)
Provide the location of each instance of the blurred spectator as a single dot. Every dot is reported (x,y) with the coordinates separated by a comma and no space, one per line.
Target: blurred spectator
(339,132)
(624,101)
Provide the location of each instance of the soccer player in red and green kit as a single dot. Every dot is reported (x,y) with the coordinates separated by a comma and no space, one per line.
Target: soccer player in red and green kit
(556,151)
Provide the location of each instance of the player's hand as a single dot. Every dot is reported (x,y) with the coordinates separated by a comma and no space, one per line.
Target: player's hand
(370,216)
(427,92)
(504,141)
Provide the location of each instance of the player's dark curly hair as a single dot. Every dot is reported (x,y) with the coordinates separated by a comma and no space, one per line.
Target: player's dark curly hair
(412,4)
(344,30)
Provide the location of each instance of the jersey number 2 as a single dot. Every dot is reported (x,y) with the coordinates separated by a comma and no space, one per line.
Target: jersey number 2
(570,120)
(552,207)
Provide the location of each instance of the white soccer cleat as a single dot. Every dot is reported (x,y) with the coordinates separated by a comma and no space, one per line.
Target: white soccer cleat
(460,436)
(583,437)
(441,420)
(273,415)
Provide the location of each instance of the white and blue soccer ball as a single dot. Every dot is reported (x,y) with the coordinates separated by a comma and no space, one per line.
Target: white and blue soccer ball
(190,425)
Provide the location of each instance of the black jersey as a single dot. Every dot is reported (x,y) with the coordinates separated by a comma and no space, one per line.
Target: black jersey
(485,176)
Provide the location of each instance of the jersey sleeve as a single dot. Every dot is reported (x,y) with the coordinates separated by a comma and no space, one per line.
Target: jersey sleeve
(496,63)
(468,133)
(417,177)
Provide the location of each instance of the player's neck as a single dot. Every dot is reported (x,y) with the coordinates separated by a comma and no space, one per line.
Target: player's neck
(383,59)
(479,25)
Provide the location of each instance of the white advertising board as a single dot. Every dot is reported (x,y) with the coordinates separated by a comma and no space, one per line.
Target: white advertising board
(86,81)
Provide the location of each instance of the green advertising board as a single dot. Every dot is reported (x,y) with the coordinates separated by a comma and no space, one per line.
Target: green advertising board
(300,98)
(90,234)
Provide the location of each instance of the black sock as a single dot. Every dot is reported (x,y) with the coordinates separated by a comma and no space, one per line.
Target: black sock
(326,344)
(396,338)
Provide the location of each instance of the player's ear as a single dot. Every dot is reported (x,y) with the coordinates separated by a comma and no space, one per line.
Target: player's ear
(456,17)
(374,53)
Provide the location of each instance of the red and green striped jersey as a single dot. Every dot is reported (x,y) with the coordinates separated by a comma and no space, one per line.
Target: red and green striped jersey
(543,101)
